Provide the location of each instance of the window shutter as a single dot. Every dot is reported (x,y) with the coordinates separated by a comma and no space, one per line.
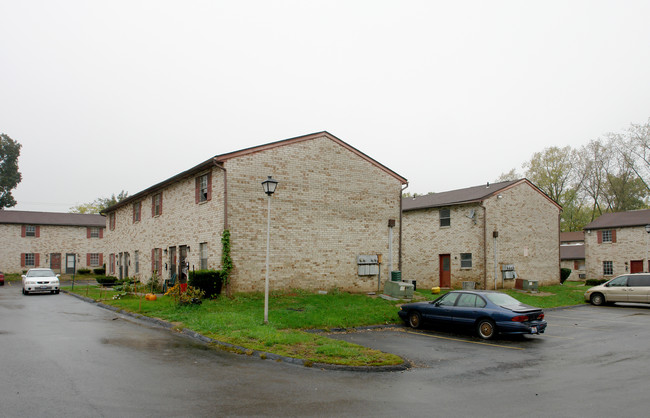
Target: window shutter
(153,259)
(36,259)
(38,232)
(88,232)
(153,205)
(210,185)
(160,258)
(575,265)
(101,232)
(101,259)
(22,259)
(87,259)
(161,199)
(600,237)
(197,189)
(133,213)
(613,235)
(23,230)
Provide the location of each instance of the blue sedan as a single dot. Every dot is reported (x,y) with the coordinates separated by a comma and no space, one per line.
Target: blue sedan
(487,312)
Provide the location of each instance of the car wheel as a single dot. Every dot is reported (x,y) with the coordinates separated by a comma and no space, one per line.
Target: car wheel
(597,299)
(485,329)
(56,292)
(25,292)
(415,319)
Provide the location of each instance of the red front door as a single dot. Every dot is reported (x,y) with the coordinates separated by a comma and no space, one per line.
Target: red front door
(445,270)
(636,266)
(55,261)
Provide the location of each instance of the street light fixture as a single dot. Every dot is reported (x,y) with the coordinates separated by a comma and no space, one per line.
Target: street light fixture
(269,186)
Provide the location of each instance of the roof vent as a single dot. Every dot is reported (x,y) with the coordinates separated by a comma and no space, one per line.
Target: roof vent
(488,185)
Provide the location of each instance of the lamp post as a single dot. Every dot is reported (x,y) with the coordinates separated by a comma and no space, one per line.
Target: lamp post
(647,259)
(269,186)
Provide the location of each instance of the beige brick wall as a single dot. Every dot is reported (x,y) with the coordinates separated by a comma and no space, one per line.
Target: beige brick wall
(182,222)
(631,244)
(52,239)
(330,206)
(575,273)
(528,237)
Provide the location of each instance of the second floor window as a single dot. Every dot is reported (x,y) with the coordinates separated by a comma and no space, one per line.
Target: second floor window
(111,221)
(94,232)
(445,217)
(156,204)
(30,231)
(137,211)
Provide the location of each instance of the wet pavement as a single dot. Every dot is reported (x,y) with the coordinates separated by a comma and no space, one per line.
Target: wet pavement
(60,356)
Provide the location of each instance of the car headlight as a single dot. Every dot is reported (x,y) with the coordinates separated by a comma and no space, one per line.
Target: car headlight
(30,282)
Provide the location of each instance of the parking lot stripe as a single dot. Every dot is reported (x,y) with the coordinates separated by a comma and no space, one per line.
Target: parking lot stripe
(464,341)
(580,318)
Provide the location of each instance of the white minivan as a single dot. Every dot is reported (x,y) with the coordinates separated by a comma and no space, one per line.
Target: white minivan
(633,288)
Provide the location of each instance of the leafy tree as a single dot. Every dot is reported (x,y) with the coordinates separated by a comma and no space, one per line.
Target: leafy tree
(509,176)
(9,174)
(99,204)
(553,171)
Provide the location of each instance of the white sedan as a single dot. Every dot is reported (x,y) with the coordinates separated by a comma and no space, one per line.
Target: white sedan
(40,280)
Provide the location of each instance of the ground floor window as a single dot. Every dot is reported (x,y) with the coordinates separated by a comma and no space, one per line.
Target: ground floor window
(608,268)
(111,264)
(204,255)
(94,260)
(466,260)
(30,260)
(137,261)
(156,260)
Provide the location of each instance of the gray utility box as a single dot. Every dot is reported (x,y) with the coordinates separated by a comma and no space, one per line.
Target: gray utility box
(530,285)
(367,265)
(399,290)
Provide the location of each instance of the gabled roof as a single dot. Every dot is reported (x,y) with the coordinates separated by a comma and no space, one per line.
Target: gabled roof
(573,236)
(51,218)
(572,252)
(621,219)
(218,160)
(465,196)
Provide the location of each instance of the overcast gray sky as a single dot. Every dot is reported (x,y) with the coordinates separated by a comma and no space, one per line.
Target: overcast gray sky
(118,95)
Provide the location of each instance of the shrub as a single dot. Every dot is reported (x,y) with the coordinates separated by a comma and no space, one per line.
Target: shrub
(154,285)
(100,271)
(106,280)
(595,282)
(83,271)
(564,274)
(191,295)
(209,281)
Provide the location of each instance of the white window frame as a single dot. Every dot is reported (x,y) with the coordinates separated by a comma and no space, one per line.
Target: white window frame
(445,219)
(30,260)
(608,268)
(466,260)
(30,231)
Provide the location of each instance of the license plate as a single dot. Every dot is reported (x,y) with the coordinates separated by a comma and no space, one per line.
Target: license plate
(43,287)
(533,330)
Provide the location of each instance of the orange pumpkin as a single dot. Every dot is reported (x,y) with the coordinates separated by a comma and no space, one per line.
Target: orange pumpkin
(150,296)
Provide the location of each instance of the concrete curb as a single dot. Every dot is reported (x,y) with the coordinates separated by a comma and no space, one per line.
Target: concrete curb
(249,352)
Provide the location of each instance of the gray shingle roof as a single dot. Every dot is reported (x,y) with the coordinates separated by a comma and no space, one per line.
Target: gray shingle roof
(572,236)
(621,219)
(51,218)
(456,197)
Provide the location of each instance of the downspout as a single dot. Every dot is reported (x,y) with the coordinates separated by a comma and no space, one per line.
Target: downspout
(399,255)
(484,245)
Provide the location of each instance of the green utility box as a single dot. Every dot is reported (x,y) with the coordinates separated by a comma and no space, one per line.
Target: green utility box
(399,290)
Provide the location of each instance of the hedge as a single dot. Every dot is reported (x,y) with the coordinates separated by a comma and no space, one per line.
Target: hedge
(564,274)
(595,282)
(106,280)
(209,281)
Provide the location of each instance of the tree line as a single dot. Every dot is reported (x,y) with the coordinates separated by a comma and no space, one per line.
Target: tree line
(609,174)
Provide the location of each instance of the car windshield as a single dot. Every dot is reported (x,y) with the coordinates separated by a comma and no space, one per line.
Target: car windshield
(502,299)
(40,273)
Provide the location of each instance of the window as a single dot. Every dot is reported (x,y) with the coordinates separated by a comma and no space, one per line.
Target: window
(608,268)
(203,191)
(30,260)
(137,211)
(642,280)
(204,255)
(93,260)
(30,231)
(470,300)
(111,264)
(445,217)
(94,232)
(137,261)
(466,260)
(618,282)
(449,299)
(111,221)
(607,235)
(156,204)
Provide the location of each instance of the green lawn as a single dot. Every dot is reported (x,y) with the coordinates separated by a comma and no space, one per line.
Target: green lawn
(239,320)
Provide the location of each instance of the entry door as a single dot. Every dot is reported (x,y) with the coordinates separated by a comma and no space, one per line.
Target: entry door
(120,264)
(70,263)
(55,262)
(172,262)
(445,270)
(636,266)
(126,264)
